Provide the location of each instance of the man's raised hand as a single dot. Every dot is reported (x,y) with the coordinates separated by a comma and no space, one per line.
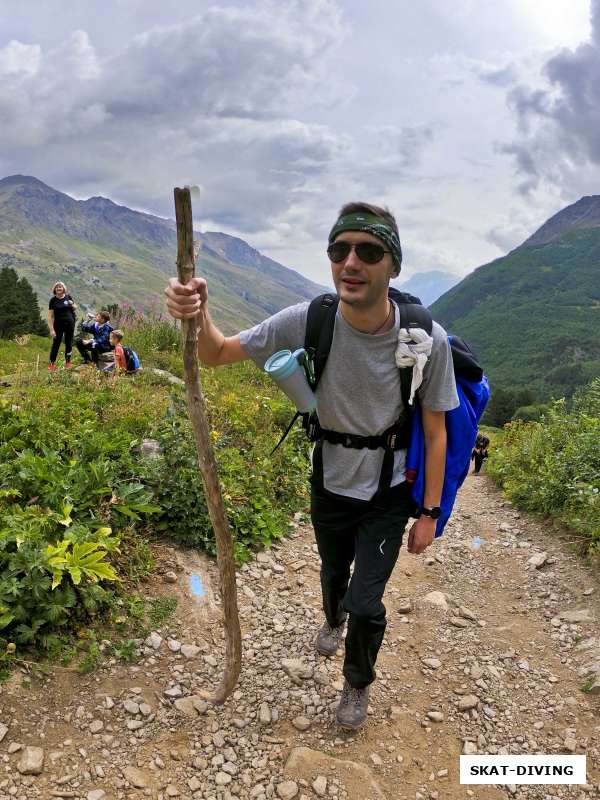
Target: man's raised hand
(185,301)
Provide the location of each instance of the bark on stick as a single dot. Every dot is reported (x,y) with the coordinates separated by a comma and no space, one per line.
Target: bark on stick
(206,458)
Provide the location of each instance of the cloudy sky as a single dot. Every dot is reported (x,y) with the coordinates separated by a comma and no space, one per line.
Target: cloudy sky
(473,120)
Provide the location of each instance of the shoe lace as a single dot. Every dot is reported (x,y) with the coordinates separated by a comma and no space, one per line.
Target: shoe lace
(354,696)
(336,630)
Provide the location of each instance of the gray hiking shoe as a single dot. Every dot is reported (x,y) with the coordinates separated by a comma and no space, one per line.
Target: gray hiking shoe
(352,710)
(329,639)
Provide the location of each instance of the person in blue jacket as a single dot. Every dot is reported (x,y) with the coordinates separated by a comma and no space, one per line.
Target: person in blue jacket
(360,501)
(90,349)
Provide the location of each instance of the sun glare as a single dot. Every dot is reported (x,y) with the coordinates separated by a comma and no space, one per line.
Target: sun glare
(564,23)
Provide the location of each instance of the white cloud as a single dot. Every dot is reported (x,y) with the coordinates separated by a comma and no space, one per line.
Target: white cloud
(253,62)
(212,99)
(18,59)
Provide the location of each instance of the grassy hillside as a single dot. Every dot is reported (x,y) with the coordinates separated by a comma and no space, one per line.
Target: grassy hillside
(111,254)
(25,355)
(533,317)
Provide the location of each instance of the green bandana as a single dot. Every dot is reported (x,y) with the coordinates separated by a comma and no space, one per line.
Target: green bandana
(370,223)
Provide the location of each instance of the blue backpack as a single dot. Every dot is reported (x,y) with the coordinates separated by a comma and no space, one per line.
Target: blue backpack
(131,359)
(461,431)
(407,432)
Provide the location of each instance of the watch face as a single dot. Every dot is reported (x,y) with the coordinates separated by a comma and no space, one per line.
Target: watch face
(434,512)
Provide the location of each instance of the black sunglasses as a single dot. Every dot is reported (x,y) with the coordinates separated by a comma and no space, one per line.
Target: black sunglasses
(368,252)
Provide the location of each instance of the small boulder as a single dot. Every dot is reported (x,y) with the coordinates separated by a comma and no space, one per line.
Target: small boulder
(538,560)
(96,794)
(581,615)
(286,790)
(301,723)
(467,702)
(154,640)
(436,599)
(190,650)
(136,777)
(296,669)
(31,761)
(435,716)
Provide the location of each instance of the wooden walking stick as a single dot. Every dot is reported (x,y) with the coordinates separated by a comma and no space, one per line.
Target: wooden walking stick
(206,457)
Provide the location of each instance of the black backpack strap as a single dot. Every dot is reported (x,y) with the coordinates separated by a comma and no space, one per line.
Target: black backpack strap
(414,315)
(320,323)
(287,430)
(318,336)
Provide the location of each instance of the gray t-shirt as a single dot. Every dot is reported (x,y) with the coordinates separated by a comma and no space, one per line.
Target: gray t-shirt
(359,390)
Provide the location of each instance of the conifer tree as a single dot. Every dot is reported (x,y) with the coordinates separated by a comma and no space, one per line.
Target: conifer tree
(37,325)
(20,310)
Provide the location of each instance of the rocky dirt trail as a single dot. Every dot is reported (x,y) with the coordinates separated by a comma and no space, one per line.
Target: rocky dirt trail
(486,651)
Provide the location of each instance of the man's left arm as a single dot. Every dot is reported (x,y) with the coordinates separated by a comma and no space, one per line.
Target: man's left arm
(422,532)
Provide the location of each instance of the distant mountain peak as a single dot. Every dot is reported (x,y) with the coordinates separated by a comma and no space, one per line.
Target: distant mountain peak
(428,286)
(585,213)
(98,200)
(21,179)
(24,180)
(232,248)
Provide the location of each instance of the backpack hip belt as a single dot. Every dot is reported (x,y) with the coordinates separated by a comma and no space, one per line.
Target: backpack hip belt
(396,437)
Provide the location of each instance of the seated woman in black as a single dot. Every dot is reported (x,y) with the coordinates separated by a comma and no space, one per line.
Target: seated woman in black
(61,321)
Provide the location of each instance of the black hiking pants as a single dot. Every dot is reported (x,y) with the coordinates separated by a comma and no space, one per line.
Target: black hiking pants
(66,329)
(478,459)
(368,533)
(88,352)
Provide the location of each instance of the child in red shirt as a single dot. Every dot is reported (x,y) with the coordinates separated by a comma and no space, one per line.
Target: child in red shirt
(120,362)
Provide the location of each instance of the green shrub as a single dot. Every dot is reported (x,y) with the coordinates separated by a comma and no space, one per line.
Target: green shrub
(531,413)
(553,466)
(68,490)
(259,490)
(49,571)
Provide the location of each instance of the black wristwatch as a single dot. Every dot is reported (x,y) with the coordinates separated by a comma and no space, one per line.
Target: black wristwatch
(433,512)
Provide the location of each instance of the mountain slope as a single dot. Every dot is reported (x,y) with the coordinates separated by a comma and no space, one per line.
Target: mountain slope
(533,316)
(107,253)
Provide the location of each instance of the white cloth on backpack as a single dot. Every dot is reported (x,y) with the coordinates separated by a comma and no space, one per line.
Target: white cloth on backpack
(413,350)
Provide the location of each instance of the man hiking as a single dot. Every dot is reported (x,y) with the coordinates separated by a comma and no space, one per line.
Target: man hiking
(360,499)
